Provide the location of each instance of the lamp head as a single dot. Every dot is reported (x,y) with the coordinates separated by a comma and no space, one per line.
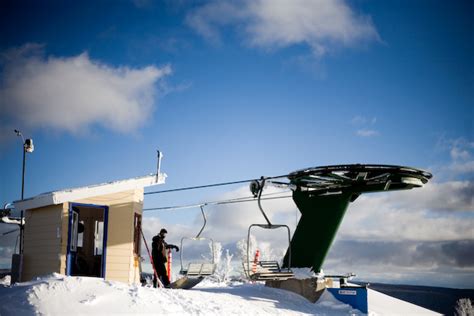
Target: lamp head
(29,147)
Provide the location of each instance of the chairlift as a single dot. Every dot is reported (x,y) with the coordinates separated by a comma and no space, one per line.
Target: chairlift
(195,271)
(270,269)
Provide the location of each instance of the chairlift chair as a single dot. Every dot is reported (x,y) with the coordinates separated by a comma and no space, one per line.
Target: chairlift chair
(270,269)
(198,269)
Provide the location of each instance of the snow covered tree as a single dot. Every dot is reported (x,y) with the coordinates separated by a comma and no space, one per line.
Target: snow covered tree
(223,267)
(464,307)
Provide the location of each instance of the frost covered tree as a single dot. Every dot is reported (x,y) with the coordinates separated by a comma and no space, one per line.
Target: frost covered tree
(267,251)
(464,307)
(242,250)
(224,267)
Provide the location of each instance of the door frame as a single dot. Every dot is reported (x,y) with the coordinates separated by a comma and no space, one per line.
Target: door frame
(105,208)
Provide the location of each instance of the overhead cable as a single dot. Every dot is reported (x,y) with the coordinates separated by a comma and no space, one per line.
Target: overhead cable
(221,202)
(250,198)
(200,186)
(211,185)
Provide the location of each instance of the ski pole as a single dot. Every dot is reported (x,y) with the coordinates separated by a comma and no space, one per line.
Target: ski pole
(151,260)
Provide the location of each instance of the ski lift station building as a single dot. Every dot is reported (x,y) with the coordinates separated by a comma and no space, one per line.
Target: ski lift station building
(89,231)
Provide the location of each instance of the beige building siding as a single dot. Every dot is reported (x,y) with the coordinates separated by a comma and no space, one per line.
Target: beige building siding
(46,237)
(42,241)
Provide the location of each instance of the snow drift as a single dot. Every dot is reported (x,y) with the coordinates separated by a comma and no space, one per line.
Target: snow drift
(62,295)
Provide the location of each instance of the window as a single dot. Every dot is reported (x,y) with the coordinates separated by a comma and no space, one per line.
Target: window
(136,233)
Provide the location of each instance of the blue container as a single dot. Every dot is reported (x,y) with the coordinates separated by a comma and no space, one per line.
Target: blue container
(354,296)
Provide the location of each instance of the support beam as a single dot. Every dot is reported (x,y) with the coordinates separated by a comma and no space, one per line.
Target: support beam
(320,219)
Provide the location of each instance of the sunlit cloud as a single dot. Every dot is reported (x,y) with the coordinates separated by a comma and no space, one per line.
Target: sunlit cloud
(367,132)
(365,126)
(73,94)
(320,25)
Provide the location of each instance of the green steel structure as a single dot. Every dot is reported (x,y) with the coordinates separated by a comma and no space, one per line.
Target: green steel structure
(322,195)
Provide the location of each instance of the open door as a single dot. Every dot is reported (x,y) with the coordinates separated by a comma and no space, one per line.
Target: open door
(87,240)
(73,237)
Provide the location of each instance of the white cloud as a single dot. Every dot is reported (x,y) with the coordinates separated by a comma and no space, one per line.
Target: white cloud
(461,151)
(207,19)
(365,126)
(359,120)
(230,222)
(458,153)
(413,234)
(408,262)
(73,93)
(271,24)
(461,154)
(432,213)
(366,132)
(462,167)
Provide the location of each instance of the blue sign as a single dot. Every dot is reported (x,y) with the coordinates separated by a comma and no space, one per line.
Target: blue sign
(354,296)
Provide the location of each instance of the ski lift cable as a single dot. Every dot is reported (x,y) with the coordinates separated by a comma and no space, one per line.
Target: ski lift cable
(212,185)
(199,187)
(222,202)
(178,207)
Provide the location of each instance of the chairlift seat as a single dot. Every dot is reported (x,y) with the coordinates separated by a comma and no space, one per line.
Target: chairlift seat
(196,270)
(270,270)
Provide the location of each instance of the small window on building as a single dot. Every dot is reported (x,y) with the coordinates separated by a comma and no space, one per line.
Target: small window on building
(137,234)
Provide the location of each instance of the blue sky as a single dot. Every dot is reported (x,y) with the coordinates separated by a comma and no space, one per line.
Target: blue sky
(237,90)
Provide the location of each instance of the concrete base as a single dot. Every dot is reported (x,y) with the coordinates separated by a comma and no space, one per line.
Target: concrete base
(309,288)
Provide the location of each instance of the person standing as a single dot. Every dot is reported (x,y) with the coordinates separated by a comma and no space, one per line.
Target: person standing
(159,247)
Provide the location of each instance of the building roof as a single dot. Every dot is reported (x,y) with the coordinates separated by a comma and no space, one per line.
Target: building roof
(67,195)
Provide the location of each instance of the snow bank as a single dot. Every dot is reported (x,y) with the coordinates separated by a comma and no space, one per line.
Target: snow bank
(62,295)
(382,304)
(303,273)
(5,281)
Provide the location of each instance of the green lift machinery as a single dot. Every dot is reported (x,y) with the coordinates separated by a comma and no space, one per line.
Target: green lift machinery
(322,195)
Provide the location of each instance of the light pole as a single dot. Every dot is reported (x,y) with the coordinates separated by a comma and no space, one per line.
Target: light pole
(27,147)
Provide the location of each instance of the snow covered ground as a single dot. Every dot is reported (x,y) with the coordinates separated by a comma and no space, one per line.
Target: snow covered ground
(62,295)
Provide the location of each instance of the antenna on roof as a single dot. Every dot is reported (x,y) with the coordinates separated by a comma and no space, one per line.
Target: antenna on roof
(158,166)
